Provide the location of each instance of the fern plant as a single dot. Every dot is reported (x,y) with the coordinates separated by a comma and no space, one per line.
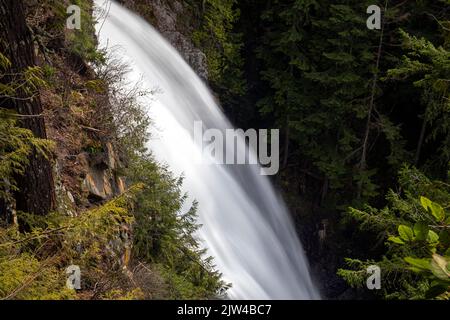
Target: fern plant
(16,144)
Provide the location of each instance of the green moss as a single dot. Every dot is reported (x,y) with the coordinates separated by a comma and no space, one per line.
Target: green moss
(83,42)
(24,277)
(32,264)
(144,226)
(16,145)
(215,36)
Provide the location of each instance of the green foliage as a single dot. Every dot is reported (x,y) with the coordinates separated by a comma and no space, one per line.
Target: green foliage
(145,229)
(320,63)
(221,45)
(165,235)
(125,116)
(24,85)
(417,229)
(4,62)
(33,263)
(97,229)
(162,236)
(16,145)
(435,209)
(24,277)
(322,73)
(83,42)
(429,67)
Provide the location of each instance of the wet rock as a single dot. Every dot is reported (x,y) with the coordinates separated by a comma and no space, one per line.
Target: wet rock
(97,183)
(113,160)
(65,202)
(70,197)
(101,181)
(167,17)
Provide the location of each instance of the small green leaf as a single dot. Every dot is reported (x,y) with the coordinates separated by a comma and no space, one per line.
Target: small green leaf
(436,210)
(405,233)
(420,231)
(396,240)
(425,202)
(419,264)
(432,237)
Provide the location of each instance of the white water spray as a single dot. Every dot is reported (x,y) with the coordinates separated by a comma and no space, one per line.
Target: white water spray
(246,226)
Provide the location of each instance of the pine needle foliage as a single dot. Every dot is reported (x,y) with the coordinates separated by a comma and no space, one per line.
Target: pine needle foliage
(33,263)
(416,235)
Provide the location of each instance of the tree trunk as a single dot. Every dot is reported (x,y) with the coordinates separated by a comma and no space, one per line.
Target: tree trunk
(286,143)
(365,146)
(421,139)
(36,187)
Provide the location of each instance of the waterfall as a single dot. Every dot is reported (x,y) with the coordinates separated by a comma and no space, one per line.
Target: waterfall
(245,224)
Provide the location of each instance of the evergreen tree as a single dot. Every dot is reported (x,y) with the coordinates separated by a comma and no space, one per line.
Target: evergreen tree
(429,67)
(416,237)
(322,67)
(325,74)
(35,193)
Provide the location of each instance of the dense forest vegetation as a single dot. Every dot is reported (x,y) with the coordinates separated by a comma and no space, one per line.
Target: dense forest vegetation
(365,119)
(365,122)
(134,243)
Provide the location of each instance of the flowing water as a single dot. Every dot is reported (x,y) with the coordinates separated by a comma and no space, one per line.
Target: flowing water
(246,226)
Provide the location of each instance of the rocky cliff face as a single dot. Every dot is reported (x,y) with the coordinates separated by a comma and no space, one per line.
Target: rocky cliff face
(86,164)
(101,180)
(172,19)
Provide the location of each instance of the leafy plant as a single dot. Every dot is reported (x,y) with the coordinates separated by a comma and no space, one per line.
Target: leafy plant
(16,144)
(417,230)
(165,236)
(216,37)
(437,267)
(33,263)
(428,65)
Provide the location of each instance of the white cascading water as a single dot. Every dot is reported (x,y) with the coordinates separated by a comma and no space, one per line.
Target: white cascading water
(246,226)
